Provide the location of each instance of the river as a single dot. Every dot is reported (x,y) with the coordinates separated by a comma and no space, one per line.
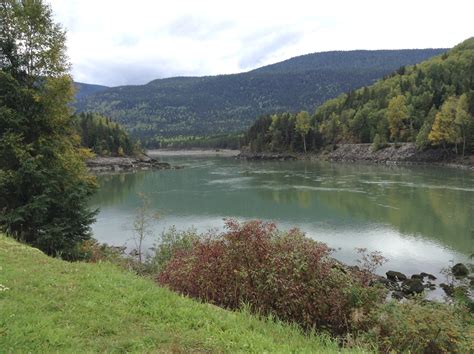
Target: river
(420,218)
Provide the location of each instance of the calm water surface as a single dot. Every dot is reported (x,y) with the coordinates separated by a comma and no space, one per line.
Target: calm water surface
(420,218)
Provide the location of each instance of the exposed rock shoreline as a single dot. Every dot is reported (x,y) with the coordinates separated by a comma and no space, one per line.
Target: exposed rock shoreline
(401,286)
(362,153)
(115,164)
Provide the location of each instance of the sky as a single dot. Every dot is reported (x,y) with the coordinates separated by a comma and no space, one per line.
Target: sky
(123,42)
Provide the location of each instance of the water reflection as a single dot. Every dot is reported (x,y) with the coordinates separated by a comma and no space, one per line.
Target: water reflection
(115,188)
(414,202)
(411,214)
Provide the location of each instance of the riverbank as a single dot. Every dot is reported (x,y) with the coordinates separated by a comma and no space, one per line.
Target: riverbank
(405,153)
(49,305)
(116,164)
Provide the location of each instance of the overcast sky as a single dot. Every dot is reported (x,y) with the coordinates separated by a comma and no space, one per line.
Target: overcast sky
(117,42)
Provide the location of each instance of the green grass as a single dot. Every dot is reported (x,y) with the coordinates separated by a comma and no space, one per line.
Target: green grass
(52,305)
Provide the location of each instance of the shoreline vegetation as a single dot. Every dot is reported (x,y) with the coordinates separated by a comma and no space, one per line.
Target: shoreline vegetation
(50,305)
(251,287)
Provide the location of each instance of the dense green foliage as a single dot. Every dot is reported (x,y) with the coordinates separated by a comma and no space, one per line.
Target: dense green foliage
(278,132)
(104,137)
(431,103)
(44,186)
(419,327)
(229,103)
(55,306)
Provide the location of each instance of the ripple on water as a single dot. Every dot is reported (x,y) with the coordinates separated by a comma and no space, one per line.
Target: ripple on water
(329,189)
(387,206)
(233,180)
(419,185)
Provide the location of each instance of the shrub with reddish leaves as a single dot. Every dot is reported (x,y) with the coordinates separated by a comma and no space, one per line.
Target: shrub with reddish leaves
(281,273)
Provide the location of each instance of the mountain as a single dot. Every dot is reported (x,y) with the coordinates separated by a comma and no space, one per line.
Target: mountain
(351,60)
(430,103)
(83,90)
(229,103)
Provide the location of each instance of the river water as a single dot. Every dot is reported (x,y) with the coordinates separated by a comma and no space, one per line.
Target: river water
(420,218)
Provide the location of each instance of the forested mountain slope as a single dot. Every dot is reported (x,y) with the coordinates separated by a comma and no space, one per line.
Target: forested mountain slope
(103,136)
(431,103)
(351,60)
(83,90)
(227,103)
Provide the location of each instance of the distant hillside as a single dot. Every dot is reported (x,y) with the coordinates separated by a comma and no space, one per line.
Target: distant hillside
(229,103)
(83,90)
(431,103)
(351,60)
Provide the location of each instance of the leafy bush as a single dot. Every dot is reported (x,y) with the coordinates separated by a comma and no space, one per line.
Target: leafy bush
(94,252)
(283,274)
(171,242)
(379,142)
(419,327)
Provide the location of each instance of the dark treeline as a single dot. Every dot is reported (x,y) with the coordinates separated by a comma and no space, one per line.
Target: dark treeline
(431,104)
(221,141)
(103,136)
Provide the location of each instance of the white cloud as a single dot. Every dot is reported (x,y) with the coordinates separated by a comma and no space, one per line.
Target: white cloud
(116,42)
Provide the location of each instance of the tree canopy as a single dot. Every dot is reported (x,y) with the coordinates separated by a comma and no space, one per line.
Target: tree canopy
(430,103)
(103,136)
(44,186)
(32,45)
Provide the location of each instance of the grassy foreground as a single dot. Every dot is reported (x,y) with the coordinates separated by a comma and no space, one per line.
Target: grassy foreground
(52,305)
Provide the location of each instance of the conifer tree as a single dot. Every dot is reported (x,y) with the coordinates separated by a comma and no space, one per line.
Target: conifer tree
(44,186)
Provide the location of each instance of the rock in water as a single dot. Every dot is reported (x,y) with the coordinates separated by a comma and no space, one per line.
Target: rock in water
(460,270)
(417,276)
(412,286)
(389,284)
(396,276)
(430,276)
(430,286)
(448,289)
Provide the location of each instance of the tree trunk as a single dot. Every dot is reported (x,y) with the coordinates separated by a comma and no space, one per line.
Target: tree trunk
(140,250)
(304,142)
(463,145)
